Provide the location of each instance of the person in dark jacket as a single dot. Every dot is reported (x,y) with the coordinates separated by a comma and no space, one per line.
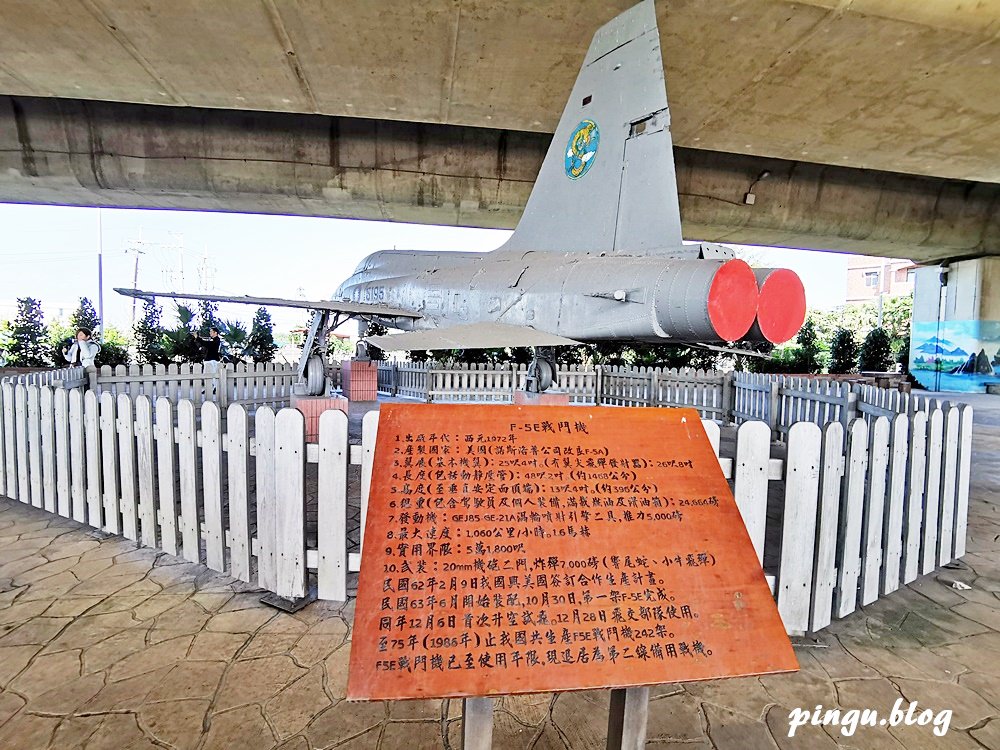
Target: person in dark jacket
(210,347)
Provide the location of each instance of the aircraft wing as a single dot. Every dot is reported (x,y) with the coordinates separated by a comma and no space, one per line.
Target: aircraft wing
(472,336)
(336,306)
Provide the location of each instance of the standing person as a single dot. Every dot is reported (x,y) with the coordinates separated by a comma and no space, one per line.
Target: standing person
(210,356)
(210,350)
(83,351)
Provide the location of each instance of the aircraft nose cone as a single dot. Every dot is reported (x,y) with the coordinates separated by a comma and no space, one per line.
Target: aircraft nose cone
(732,300)
(781,310)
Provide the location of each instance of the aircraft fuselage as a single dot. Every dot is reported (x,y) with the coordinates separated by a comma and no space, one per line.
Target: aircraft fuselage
(589,297)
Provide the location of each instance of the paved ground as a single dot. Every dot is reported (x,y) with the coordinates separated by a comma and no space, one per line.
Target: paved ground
(105,646)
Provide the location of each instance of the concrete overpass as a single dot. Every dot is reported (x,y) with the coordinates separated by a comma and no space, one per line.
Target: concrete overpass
(877,119)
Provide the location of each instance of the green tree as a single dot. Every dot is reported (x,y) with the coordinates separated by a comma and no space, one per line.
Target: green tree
(234,338)
(114,350)
(61,337)
(208,317)
(807,357)
(339,348)
(376,329)
(260,346)
(85,316)
(903,353)
(29,339)
(148,333)
(179,343)
(784,360)
(5,334)
(876,352)
(897,314)
(843,352)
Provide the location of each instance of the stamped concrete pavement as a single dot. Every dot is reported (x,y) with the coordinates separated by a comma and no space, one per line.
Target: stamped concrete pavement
(104,645)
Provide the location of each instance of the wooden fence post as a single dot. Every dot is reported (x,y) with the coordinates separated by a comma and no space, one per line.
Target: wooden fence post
(369,431)
(892,537)
(264,437)
(128,467)
(62,452)
(34,463)
(728,397)
(773,406)
(932,493)
(187,464)
(849,536)
(9,441)
(222,386)
(166,465)
(964,473)
(753,455)
(827,518)
(78,458)
(46,407)
(331,542)
(109,463)
(238,463)
(289,511)
(211,474)
(798,526)
(874,510)
(949,479)
(145,453)
(91,418)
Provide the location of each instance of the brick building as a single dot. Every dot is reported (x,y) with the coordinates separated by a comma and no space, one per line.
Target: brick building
(868,277)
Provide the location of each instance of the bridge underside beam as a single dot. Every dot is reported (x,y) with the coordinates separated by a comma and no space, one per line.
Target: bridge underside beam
(70,152)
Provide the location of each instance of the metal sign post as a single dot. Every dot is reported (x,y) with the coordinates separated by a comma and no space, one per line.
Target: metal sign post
(627,718)
(477,723)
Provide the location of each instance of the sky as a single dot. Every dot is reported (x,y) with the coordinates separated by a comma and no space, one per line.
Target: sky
(51,252)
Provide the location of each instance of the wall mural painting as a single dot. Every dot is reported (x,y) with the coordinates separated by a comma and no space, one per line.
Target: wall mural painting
(956,355)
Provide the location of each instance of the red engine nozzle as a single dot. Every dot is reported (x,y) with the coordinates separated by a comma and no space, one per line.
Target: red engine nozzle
(781,308)
(732,300)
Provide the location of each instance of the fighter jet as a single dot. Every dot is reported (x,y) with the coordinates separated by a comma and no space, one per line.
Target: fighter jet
(597,254)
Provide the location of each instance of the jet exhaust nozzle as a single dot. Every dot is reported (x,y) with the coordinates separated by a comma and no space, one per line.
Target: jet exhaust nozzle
(781,308)
(706,300)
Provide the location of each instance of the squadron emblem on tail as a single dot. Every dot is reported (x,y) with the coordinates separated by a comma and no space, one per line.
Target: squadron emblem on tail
(582,148)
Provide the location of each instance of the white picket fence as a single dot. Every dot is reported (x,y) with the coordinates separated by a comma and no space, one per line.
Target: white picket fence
(253,384)
(859,517)
(476,383)
(731,397)
(64,377)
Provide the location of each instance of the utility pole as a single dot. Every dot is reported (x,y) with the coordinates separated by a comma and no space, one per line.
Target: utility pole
(135,273)
(135,246)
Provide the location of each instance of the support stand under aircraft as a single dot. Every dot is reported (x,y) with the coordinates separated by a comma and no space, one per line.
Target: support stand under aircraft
(597,256)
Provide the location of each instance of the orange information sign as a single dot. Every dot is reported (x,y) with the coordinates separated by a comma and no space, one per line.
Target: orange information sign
(514,549)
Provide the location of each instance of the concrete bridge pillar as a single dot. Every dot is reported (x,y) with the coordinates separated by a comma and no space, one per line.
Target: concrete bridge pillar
(955,335)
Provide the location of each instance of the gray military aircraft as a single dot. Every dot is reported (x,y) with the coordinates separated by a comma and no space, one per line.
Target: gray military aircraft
(596,256)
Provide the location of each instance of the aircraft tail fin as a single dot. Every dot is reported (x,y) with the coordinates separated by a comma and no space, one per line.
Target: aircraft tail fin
(608,183)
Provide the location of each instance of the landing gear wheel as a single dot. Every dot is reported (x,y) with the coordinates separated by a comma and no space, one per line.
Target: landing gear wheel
(315,376)
(541,373)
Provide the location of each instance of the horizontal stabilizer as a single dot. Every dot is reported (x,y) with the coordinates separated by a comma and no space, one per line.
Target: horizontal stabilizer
(336,306)
(472,336)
